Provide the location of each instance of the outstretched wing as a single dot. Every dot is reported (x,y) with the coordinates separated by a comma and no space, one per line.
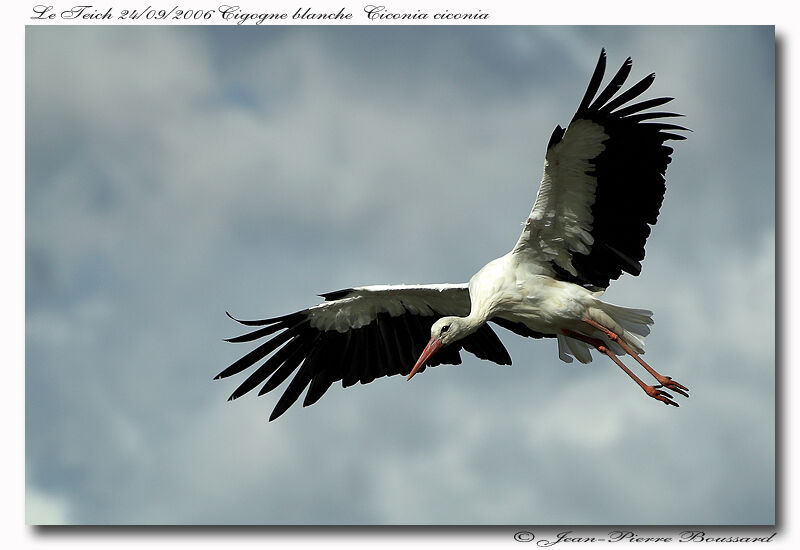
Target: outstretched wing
(356,335)
(603,184)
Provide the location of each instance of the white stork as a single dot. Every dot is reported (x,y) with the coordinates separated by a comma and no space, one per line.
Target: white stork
(602,189)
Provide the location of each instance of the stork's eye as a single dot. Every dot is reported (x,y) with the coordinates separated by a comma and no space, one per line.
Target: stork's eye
(445,328)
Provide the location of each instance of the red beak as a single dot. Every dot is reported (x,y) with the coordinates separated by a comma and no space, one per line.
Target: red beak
(434,345)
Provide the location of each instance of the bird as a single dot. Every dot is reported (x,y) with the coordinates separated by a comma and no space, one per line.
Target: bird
(601,191)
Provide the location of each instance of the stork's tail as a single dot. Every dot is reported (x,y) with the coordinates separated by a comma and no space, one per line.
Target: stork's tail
(633,325)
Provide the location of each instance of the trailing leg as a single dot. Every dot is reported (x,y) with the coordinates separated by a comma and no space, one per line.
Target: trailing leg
(665,381)
(652,391)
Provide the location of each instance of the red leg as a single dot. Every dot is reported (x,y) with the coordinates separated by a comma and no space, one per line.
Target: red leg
(652,391)
(665,381)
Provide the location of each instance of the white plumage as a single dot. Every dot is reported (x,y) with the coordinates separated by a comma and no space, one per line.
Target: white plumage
(602,189)
(560,222)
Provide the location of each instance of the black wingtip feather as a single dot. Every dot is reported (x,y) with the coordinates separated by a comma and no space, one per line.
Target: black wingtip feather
(261,322)
(634,91)
(666,126)
(638,117)
(289,366)
(260,352)
(613,86)
(641,106)
(246,323)
(256,334)
(269,366)
(594,83)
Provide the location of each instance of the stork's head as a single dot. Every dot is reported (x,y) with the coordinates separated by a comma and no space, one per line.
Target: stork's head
(443,332)
(448,329)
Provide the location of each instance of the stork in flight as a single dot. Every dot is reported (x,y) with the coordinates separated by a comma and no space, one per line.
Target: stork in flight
(602,189)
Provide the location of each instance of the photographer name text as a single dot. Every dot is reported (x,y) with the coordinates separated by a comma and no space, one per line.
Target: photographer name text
(632,536)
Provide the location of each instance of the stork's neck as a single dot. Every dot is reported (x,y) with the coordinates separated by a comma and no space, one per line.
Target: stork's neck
(464,326)
(489,287)
(478,315)
(472,322)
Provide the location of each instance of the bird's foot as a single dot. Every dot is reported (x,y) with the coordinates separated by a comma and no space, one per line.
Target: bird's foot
(660,395)
(652,391)
(673,385)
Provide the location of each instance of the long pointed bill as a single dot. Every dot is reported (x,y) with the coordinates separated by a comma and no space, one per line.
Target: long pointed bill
(434,345)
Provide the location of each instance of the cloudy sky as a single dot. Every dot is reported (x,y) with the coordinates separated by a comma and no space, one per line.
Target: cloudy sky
(175,173)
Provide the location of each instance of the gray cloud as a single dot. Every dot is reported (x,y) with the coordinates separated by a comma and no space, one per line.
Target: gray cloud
(176,173)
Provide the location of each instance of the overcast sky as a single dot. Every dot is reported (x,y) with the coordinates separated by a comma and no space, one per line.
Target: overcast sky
(175,173)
